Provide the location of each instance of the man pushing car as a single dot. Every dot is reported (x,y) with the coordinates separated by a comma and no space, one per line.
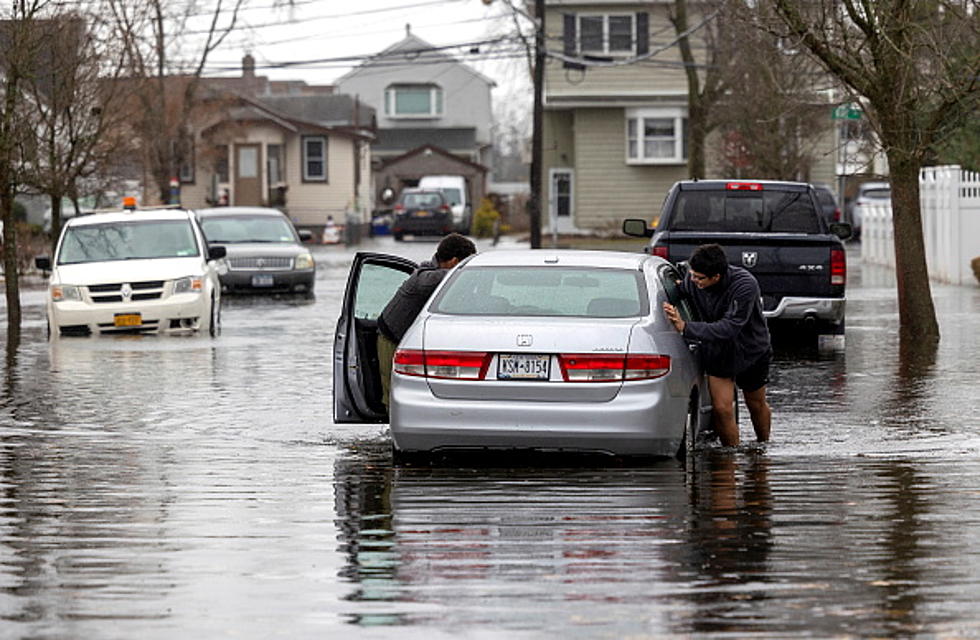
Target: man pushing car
(734,338)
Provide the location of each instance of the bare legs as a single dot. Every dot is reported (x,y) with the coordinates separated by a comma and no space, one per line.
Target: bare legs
(723,410)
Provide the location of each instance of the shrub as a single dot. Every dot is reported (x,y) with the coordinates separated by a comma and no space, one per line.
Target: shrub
(976,267)
(485,219)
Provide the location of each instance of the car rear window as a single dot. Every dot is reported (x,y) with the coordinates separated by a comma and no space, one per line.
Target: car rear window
(825,198)
(765,211)
(128,241)
(878,194)
(414,200)
(544,291)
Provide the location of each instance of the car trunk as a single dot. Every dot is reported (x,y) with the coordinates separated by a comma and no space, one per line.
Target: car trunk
(547,335)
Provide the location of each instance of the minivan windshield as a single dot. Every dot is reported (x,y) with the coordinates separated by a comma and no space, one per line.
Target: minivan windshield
(759,211)
(137,240)
(544,291)
(246,228)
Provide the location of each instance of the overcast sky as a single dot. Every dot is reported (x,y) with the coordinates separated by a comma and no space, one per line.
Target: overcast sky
(304,42)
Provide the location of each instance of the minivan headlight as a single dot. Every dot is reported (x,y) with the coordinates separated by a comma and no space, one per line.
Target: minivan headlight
(185,285)
(63,292)
(303,261)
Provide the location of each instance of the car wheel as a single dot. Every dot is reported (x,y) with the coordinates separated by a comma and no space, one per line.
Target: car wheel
(397,236)
(215,327)
(686,451)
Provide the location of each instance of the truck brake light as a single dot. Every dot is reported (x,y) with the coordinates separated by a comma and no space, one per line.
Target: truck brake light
(743,186)
(838,266)
(660,251)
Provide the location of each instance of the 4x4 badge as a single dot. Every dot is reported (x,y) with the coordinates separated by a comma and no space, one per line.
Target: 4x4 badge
(750,258)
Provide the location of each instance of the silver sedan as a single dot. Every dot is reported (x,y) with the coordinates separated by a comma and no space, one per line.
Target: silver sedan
(533,349)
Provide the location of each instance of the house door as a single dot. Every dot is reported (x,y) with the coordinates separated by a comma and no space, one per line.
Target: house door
(560,200)
(248,175)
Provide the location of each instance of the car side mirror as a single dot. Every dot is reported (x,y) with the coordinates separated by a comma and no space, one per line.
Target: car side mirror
(305,235)
(43,263)
(842,230)
(637,228)
(217,252)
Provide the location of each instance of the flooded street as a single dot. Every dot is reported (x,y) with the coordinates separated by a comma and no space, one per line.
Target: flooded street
(194,488)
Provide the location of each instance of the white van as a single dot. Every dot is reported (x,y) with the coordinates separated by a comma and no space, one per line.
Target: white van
(456,192)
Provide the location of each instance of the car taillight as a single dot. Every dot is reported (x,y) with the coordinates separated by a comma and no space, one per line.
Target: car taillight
(646,367)
(838,266)
(444,209)
(660,251)
(836,215)
(453,365)
(399,208)
(743,186)
(589,367)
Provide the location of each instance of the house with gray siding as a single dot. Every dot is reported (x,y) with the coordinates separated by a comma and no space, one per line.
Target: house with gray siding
(424,98)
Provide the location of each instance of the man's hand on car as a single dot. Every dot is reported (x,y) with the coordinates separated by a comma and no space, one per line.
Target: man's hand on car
(674,317)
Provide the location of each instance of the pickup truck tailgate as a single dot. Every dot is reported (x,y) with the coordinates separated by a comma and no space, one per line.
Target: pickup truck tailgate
(784,264)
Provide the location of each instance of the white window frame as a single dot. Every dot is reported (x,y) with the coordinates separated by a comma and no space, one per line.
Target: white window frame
(676,114)
(307,176)
(436,101)
(604,51)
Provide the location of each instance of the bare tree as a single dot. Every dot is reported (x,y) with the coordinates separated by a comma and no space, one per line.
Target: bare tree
(915,66)
(773,115)
(707,79)
(74,108)
(165,84)
(18,63)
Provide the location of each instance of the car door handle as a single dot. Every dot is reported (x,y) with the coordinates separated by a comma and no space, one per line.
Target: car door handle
(693,347)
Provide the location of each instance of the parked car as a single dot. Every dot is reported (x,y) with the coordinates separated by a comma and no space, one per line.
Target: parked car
(551,350)
(868,194)
(456,191)
(134,271)
(827,200)
(772,229)
(421,212)
(265,252)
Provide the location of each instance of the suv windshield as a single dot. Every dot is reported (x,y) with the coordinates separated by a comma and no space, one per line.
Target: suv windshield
(128,241)
(544,291)
(232,229)
(723,210)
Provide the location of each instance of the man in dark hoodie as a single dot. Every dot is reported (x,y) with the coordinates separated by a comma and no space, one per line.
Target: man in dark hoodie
(734,338)
(405,305)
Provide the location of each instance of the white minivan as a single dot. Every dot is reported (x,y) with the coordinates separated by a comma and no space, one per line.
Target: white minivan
(455,190)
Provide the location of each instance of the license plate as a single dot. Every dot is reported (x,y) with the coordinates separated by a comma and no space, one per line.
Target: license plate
(523,366)
(422,214)
(263,281)
(128,319)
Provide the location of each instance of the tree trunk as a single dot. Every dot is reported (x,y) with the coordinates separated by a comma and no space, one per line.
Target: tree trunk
(915,307)
(697,135)
(55,219)
(11,281)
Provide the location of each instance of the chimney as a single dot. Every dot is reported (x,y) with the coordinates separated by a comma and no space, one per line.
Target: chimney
(248,66)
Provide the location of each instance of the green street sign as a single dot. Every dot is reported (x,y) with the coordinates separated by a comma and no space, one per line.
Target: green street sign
(845,112)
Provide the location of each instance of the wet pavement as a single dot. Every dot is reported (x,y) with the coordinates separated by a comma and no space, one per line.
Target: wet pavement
(196,488)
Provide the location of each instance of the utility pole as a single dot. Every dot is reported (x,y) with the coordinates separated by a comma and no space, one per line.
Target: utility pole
(534,205)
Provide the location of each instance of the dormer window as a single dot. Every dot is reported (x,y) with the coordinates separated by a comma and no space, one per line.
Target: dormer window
(413,101)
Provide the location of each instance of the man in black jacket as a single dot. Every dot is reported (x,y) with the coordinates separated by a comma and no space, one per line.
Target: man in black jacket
(407,303)
(734,338)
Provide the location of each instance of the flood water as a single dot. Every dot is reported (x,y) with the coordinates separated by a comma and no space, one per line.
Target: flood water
(197,488)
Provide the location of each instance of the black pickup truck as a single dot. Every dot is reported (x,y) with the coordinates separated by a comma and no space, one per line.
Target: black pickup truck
(771,228)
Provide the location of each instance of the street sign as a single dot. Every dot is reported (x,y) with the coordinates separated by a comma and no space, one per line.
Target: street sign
(845,112)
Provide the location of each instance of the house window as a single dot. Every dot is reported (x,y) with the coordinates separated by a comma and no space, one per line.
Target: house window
(655,136)
(314,158)
(606,34)
(413,101)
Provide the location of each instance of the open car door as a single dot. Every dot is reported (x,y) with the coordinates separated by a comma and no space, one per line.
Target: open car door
(373,280)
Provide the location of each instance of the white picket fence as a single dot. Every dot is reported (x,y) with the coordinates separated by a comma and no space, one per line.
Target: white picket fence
(950,199)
